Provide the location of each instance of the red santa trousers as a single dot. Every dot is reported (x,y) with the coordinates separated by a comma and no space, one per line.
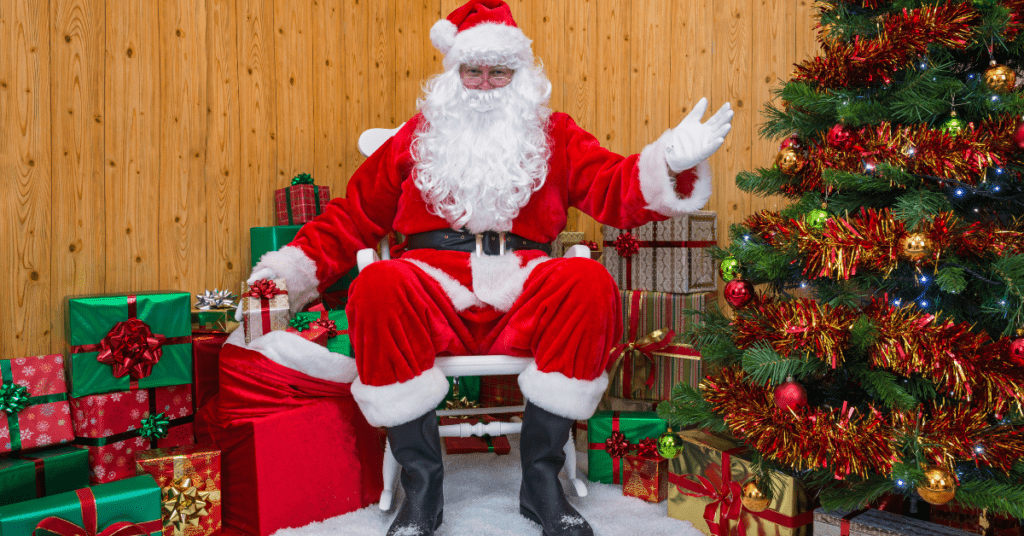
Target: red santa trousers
(566,318)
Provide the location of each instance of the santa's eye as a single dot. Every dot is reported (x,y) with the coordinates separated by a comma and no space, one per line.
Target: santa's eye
(472,71)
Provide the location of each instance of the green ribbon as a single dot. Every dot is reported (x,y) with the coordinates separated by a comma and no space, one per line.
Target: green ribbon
(154,427)
(299,323)
(16,400)
(490,442)
(302,178)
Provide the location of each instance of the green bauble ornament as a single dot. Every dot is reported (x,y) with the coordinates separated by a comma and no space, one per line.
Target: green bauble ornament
(954,125)
(729,269)
(816,218)
(669,445)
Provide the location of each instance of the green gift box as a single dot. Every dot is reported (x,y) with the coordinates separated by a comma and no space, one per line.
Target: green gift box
(135,501)
(25,477)
(121,343)
(602,466)
(468,387)
(263,240)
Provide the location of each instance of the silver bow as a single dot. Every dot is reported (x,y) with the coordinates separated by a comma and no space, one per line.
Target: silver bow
(217,299)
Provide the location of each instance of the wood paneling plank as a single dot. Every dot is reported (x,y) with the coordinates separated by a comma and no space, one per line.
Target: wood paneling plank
(257,117)
(416,59)
(132,145)
(651,60)
(544,21)
(356,50)
(25,174)
(382,65)
(581,86)
(224,233)
(183,214)
(79,250)
(293,44)
(329,134)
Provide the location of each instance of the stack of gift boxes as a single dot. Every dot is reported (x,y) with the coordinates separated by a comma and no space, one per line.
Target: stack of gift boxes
(100,439)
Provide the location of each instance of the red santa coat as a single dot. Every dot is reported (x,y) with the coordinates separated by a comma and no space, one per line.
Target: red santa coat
(615,190)
(619,191)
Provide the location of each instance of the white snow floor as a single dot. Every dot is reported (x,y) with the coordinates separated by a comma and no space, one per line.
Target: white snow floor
(482,497)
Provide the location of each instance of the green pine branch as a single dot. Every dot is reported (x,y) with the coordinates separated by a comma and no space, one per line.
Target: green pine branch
(765,365)
(687,408)
(920,205)
(884,386)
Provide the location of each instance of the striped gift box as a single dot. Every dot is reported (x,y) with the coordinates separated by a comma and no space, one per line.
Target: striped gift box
(651,357)
(300,203)
(665,256)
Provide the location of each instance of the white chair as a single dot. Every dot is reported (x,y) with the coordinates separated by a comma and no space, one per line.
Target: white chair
(474,365)
(459,366)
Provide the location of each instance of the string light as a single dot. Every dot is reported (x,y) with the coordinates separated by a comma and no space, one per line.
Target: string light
(979,449)
(923,279)
(900,483)
(923,304)
(959,192)
(995,98)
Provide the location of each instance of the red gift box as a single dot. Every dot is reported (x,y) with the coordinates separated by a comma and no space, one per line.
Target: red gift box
(36,385)
(206,346)
(497,391)
(193,473)
(465,445)
(111,426)
(294,449)
(645,477)
(300,203)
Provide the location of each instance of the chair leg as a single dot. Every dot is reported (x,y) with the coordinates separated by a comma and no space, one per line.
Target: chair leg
(570,468)
(390,478)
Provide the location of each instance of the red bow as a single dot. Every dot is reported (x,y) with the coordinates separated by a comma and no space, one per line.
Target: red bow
(725,507)
(264,289)
(328,324)
(130,347)
(64,527)
(647,448)
(626,245)
(616,445)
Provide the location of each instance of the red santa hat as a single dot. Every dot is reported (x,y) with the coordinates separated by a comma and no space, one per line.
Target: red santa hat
(481,30)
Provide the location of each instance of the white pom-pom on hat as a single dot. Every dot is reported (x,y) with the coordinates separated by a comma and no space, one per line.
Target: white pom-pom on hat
(442,35)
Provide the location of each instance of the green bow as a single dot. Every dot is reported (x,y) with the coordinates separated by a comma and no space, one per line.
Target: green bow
(302,178)
(299,323)
(154,426)
(13,398)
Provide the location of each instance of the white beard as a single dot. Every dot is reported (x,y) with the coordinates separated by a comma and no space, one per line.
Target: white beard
(480,155)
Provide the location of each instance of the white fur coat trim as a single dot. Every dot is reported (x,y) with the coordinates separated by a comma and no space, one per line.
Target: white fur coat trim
(298,271)
(562,395)
(498,279)
(461,297)
(658,186)
(399,403)
(290,350)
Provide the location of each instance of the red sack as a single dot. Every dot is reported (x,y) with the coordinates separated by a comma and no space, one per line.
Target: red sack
(294,449)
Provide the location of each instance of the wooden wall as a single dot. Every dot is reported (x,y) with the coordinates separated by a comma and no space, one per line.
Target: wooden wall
(141,139)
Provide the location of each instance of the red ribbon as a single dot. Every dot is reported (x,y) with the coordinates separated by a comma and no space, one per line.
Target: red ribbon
(325,322)
(844,522)
(727,505)
(645,349)
(87,501)
(626,245)
(265,290)
(130,347)
(612,442)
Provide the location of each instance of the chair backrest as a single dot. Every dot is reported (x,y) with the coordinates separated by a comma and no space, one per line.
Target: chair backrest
(371,139)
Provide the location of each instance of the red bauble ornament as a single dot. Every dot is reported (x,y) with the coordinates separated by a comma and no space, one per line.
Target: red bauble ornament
(790,395)
(1018,136)
(739,292)
(840,137)
(792,141)
(1017,351)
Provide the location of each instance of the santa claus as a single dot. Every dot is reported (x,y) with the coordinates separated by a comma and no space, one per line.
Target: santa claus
(480,182)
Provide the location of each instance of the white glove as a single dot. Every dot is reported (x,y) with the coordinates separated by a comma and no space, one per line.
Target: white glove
(692,141)
(262,273)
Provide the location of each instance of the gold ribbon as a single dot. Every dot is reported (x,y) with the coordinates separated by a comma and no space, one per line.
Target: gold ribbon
(183,505)
(643,347)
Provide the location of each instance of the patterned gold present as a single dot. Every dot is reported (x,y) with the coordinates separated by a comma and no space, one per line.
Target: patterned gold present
(264,307)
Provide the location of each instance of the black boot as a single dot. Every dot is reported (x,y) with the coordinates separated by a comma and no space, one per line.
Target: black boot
(541,498)
(417,447)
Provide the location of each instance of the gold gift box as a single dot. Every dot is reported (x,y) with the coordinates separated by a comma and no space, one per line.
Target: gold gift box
(698,493)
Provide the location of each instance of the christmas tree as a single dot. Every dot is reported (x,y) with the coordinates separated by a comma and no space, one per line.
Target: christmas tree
(875,344)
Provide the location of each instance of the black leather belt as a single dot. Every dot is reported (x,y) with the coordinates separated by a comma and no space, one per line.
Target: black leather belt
(490,243)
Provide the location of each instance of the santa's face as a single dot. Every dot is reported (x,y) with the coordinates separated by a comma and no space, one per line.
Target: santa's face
(482,150)
(485,77)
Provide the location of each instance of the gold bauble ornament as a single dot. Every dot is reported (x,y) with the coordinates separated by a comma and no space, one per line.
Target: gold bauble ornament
(789,161)
(938,487)
(752,497)
(915,246)
(1000,78)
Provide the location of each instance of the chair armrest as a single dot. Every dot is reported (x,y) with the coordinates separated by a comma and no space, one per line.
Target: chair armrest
(579,250)
(365,256)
